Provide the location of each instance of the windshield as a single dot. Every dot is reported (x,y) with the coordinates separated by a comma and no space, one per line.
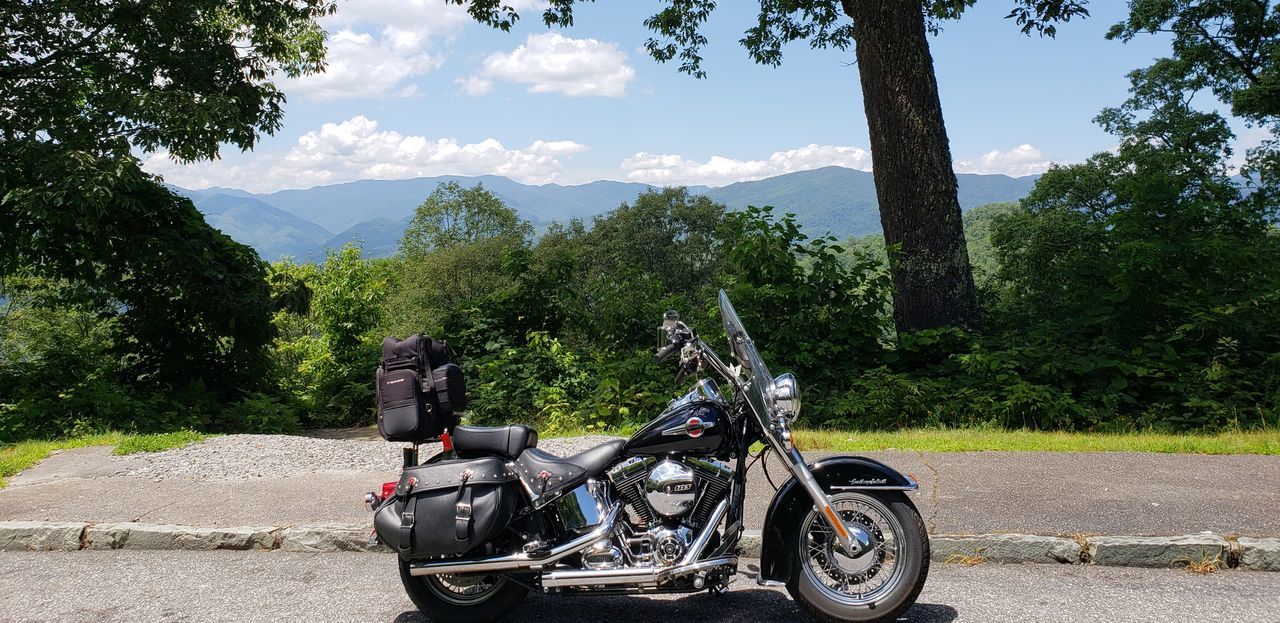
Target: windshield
(744,351)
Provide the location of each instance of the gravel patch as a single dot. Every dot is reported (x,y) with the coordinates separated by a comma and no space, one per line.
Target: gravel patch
(250,457)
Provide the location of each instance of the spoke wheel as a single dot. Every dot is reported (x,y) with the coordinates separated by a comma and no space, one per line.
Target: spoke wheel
(853,581)
(464,590)
(462,598)
(879,585)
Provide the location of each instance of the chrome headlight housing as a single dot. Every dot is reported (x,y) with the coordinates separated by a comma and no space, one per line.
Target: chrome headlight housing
(785,393)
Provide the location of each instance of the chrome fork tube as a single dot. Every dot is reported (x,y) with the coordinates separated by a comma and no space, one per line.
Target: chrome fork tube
(853,539)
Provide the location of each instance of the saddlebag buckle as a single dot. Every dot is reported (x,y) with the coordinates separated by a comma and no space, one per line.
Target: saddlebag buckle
(463,511)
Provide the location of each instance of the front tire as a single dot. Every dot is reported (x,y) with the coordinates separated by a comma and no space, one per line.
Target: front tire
(877,586)
(462,598)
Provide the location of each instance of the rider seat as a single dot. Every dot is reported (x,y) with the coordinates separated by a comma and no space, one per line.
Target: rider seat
(505,441)
(545,476)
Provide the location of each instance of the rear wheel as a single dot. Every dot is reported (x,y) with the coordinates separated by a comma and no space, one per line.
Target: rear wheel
(881,584)
(462,598)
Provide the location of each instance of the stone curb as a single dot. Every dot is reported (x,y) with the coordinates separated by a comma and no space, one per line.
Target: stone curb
(1140,551)
(1259,554)
(156,536)
(1256,554)
(1004,548)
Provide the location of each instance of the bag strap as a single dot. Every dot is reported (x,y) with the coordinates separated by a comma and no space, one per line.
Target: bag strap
(424,364)
(407,514)
(462,508)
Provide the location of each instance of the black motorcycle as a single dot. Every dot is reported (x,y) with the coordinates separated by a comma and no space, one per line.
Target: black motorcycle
(662,512)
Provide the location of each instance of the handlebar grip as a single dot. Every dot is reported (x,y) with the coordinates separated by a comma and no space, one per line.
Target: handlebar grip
(666,351)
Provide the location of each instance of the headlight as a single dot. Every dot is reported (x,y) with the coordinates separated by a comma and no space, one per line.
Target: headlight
(785,392)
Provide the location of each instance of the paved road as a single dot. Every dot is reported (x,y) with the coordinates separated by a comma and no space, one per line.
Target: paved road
(276,586)
(973,492)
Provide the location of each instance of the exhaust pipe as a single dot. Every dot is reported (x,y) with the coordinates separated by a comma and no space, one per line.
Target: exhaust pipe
(521,561)
(647,576)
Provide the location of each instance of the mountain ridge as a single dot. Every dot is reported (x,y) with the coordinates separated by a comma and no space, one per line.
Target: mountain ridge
(303,223)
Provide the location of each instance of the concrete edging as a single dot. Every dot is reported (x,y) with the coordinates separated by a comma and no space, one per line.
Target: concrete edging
(1256,554)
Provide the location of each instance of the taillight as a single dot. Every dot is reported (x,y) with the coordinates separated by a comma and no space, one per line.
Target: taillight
(372,500)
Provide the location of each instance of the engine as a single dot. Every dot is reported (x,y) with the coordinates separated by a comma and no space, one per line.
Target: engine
(670,501)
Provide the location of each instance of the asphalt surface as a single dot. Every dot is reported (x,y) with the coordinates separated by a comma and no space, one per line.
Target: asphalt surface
(974,492)
(277,586)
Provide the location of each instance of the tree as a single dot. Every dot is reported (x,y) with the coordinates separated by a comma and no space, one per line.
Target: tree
(1231,48)
(86,83)
(915,183)
(453,215)
(346,308)
(1150,270)
(659,252)
(100,76)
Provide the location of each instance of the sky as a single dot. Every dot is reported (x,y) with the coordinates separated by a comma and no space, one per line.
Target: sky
(415,88)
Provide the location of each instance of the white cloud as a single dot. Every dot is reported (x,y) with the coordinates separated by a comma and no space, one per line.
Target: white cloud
(362,65)
(1017,162)
(556,148)
(376,46)
(671,169)
(474,85)
(553,63)
(356,149)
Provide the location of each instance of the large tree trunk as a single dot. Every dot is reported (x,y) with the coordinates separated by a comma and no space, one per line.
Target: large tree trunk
(911,158)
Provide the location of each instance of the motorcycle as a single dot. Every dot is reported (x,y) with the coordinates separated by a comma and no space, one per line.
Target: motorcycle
(479,527)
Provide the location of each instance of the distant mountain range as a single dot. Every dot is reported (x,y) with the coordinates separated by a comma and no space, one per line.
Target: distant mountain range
(304,223)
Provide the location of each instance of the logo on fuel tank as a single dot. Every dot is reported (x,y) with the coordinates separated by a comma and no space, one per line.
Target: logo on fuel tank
(694,427)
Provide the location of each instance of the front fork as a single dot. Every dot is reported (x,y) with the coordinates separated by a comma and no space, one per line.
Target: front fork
(854,541)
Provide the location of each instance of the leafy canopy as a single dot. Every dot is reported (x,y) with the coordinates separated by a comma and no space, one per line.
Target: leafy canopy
(102,76)
(678,26)
(453,215)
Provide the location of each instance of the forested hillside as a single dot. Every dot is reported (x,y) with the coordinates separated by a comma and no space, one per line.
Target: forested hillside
(1137,289)
(832,200)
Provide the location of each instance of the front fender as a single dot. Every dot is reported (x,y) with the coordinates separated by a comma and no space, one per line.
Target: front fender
(790,504)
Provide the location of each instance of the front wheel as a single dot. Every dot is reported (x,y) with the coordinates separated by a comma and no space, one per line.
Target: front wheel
(462,598)
(881,584)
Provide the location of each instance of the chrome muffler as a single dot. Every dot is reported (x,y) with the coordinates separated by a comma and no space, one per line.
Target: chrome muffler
(521,561)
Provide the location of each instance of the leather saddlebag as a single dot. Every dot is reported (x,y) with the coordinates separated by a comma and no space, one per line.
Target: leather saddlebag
(448,507)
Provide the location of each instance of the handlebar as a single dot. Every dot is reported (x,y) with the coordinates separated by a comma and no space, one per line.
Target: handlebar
(666,351)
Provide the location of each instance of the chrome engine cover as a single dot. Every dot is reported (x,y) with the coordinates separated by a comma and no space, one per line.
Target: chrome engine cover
(670,544)
(671,488)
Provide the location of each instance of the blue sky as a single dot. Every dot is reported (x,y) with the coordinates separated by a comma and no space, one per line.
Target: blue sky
(415,88)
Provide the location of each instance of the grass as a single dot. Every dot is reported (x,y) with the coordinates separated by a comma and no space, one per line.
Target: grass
(968,560)
(996,439)
(19,456)
(133,444)
(983,439)
(1205,565)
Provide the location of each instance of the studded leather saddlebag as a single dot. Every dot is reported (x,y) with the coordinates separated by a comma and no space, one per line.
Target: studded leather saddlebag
(448,507)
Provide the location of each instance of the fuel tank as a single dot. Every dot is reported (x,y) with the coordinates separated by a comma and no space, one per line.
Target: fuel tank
(692,426)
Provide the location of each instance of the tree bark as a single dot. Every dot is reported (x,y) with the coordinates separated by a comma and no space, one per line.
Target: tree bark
(911,159)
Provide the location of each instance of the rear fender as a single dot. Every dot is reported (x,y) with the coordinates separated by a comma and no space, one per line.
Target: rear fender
(836,474)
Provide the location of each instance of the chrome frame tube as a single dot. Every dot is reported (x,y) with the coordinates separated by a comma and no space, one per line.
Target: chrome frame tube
(521,561)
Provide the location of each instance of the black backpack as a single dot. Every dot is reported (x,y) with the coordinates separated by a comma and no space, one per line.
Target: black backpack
(420,390)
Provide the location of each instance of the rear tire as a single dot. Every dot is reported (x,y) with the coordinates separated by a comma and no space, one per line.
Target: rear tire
(878,586)
(462,598)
